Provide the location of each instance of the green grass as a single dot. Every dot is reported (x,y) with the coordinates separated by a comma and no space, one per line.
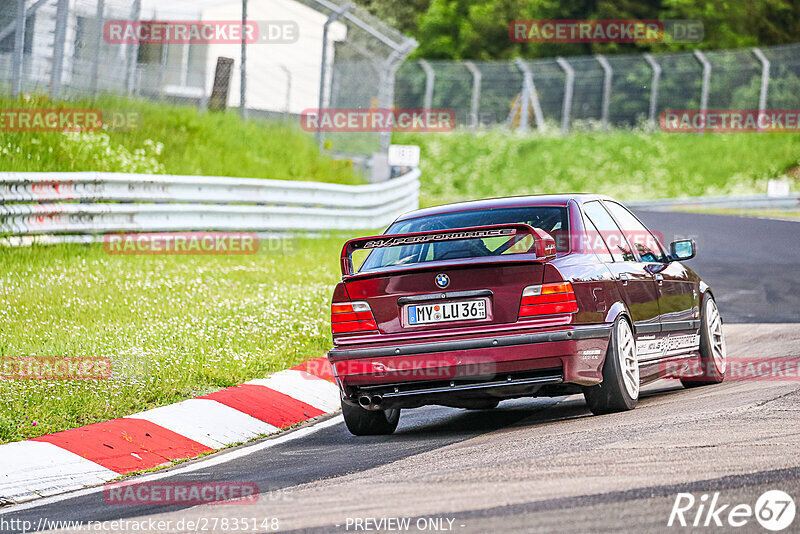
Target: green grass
(624,164)
(171,140)
(173,327)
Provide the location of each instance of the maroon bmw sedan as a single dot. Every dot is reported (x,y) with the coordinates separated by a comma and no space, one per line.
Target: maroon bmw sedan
(468,304)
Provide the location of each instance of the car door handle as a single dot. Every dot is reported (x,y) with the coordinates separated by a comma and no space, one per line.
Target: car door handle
(660,279)
(624,278)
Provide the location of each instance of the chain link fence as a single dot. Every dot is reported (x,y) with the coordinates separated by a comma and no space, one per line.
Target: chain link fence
(306,54)
(342,57)
(601,92)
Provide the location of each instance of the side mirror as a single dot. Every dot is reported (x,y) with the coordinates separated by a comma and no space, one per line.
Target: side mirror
(685,249)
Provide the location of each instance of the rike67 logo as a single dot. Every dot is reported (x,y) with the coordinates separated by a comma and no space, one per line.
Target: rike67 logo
(774,510)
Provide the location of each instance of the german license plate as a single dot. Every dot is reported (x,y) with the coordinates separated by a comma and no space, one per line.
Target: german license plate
(449,311)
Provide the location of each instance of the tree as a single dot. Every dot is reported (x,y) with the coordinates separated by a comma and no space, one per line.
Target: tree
(478,29)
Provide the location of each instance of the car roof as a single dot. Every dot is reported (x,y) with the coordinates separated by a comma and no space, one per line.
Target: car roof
(504,202)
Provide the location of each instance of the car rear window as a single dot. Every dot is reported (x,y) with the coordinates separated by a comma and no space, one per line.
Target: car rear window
(550,219)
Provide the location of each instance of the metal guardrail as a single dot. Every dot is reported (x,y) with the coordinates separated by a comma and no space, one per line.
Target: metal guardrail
(98,203)
(791,202)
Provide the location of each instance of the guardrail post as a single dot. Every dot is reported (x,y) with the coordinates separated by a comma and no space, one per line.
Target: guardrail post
(651,117)
(529,96)
(430,80)
(706,81)
(608,73)
(569,86)
(476,93)
(762,97)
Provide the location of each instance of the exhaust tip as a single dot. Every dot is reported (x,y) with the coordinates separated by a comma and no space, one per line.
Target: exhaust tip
(364,401)
(376,400)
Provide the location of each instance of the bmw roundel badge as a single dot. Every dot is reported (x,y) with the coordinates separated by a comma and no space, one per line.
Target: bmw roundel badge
(442,280)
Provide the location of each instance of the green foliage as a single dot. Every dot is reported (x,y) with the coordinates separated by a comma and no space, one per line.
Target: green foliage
(478,29)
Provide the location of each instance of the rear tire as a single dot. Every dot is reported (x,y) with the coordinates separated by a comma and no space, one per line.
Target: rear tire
(619,390)
(361,422)
(713,353)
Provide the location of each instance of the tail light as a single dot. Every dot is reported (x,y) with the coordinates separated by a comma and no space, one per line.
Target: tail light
(352,317)
(548,299)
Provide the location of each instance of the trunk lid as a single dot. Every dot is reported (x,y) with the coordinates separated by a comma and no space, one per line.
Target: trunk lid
(499,285)
(400,294)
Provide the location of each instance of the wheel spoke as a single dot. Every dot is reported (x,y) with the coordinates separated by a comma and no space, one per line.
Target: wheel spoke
(631,377)
(716,339)
(629,365)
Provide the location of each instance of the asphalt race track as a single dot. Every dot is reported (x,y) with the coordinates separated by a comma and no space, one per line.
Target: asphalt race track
(544,465)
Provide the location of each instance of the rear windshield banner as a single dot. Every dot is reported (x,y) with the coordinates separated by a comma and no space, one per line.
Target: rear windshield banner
(452,236)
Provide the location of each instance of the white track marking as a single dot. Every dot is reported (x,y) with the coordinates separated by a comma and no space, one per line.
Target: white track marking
(32,469)
(208,422)
(305,387)
(196,465)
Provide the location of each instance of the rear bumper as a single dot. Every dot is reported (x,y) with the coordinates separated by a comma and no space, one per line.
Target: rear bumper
(475,365)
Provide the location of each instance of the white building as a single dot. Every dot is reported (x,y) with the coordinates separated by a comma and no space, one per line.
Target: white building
(281,77)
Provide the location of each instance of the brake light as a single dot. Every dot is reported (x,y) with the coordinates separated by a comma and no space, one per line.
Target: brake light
(548,299)
(352,317)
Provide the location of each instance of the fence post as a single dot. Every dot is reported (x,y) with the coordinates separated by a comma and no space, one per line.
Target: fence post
(59,41)
(386,88)
(653,88)
(529,96)
(243,66)
(525,97)
(430,80)
(569,85)
(287,105)
(133,51)
(19,50)
(476,93)
(323,69)
(706,81)
(97,44)
(608,72)
(762,97)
